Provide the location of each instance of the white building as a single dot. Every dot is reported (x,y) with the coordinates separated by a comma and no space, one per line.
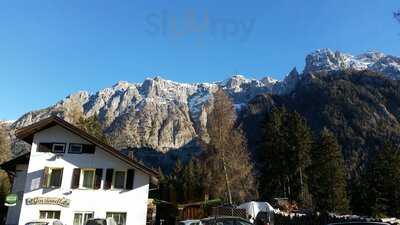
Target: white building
(72,176)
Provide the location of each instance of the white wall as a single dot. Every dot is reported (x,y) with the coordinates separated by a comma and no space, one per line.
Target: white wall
(133,202)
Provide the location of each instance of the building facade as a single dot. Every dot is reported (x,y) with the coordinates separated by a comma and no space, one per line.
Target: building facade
(71,176)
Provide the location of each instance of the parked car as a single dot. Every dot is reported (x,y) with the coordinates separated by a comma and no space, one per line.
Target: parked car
(264,218)
(359,223)
(45,222)
(101,221)
(225,220)
(190,222)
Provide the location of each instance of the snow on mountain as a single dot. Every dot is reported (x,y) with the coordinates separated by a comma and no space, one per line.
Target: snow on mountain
(157,113)
(327,60)
(4,122)
(164,114)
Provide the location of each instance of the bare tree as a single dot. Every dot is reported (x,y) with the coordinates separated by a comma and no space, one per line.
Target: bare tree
(5,154)
(227,157)
(5,146)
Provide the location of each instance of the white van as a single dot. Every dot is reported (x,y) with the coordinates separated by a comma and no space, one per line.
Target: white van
(45,222)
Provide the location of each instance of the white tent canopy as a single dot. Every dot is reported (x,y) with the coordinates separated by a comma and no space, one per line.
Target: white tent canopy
(253,208)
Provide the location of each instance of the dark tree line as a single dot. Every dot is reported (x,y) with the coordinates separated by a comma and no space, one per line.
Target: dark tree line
(377,191)
(183,185)
(309,171)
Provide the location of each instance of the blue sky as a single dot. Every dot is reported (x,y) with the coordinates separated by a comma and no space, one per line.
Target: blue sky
(51,48)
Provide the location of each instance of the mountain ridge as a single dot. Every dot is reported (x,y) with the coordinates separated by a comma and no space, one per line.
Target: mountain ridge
(162,114)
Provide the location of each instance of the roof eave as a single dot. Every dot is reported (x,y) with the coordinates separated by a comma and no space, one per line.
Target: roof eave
(26,134)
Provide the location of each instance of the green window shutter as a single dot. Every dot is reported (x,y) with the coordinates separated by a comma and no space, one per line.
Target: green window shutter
(98,176)
(45,177)
(109,178)
(76,174)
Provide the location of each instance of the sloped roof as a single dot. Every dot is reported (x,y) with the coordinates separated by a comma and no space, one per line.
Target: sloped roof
(11,164)
(27,133)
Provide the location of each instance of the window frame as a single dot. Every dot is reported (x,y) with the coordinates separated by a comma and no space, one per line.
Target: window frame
(113,181)
(83,213)
(75,144)
(47,213)
(82,177)
(58,144)
(126,216)
(50,175)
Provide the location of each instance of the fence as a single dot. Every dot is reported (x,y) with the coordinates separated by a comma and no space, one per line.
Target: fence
(229,211)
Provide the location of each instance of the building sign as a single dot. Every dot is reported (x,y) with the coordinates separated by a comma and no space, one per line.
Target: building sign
(64,202)
(11,200)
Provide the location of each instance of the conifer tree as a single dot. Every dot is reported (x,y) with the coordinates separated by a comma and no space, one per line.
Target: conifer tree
(328,184)
(92,126)
(191,182)
(300,142)
(381,182)
(184,184)
(286,150)
(175,183)
(272,153)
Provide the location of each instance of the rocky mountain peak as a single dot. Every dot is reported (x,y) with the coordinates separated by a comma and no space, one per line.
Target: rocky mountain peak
(123,85)
(164,114)
(327,60)
(235,82)
(370,56)
(269,80)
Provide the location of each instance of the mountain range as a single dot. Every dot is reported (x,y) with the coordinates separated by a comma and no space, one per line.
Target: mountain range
(166,116)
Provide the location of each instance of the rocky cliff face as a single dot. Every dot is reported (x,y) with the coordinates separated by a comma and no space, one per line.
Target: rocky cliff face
(164,115)
(158,113)
(362,108)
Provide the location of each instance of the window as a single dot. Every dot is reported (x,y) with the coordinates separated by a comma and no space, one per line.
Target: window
(119,180)
(50,214)
(45,147)
(58,147)
(87,178)
(55,177)
(80,218)
(52,177)
(75,148)
(120,218)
